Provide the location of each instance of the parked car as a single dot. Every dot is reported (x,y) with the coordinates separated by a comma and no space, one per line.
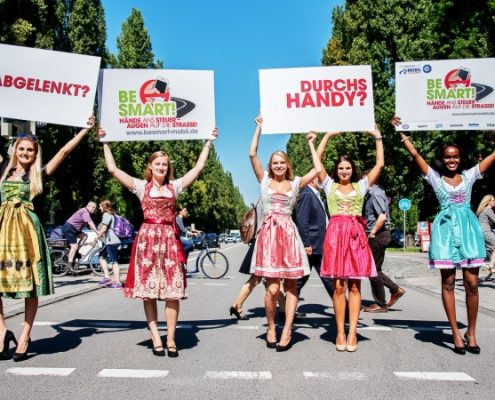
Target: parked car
(230,239)
(222,237)
(212,239)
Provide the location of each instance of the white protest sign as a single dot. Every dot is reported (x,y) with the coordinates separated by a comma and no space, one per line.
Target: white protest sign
(47,86)
(317,98)
(150,104)
(445,94)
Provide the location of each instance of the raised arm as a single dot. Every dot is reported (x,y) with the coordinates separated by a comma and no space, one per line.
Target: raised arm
(487,162)
(57,159)
(321,150)
(253,150)
(124,178)
(406,141)
(380,161)
(194,172)
(317,165)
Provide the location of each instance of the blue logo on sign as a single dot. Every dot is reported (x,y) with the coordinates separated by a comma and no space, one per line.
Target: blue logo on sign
(427,68)
(404,204)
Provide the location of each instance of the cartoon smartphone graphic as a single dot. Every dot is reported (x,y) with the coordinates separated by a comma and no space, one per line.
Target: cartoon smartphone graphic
(160,85)
(463,73)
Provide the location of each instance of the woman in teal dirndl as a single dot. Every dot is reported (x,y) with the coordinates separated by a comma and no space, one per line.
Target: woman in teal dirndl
(25,267)
(456,239)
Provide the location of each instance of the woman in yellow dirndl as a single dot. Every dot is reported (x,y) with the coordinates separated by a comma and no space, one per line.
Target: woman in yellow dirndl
(25,267)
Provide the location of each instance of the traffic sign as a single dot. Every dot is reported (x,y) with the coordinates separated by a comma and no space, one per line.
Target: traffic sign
(404,204)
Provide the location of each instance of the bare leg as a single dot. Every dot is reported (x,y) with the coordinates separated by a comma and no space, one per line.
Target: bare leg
(152,318)
(339,306)
(271,295)
(116,272)
(3,327)
(104,267)
(246,290)
(31,307)
(172,316)
(354,309)
(72,252)
(470,276)
(291,299)
(448,299)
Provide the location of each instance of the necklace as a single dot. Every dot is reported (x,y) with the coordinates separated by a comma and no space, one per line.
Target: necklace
(18,174)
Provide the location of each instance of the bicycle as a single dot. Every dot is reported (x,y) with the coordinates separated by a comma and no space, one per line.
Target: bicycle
(213,263)
(59,251)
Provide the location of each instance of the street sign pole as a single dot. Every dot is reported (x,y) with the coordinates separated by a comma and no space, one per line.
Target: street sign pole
(404,205)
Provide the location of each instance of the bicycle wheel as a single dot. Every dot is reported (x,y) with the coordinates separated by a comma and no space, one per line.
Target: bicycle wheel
(59,262)
(214,264)
(94,262)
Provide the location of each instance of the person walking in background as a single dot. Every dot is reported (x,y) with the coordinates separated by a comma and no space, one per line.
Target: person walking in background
(72,230)
(279,252)
(110,252)
(377,215)
(347,257)
(185,233)
(22,239)
(486,216)
(311,221)
(456,238)
(155,270)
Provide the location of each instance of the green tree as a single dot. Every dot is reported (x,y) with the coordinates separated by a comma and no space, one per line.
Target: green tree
(380,33)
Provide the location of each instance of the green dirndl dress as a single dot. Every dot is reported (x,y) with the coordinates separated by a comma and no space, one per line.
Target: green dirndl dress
(25,265)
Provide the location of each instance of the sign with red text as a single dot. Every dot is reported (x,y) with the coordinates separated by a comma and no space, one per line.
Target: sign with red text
(47,86)
(445,94)
(317,98)
(150,104)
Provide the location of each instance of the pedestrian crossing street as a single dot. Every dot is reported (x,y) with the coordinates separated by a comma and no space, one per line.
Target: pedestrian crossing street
(242,375)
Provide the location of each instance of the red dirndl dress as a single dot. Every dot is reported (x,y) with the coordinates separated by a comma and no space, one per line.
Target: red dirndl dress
(155,270)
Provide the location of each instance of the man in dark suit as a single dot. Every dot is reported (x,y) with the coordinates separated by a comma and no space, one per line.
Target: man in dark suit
(311,220)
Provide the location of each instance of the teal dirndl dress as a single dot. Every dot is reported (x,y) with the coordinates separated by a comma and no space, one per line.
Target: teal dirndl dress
(456,238)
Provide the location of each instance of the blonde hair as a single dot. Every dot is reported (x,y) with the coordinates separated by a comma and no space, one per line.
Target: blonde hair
(34,173)
(170,170)
(484,203)
(289,174)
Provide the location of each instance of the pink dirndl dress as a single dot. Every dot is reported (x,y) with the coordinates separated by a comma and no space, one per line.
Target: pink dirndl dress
(279,251)
(155,270)
(346,253)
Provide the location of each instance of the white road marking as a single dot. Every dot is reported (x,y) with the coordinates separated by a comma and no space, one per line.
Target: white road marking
(261,375)
(343,376)
(43,323)
(435,376)
(110,324)
(375,328)
(41,371)
(184,326)
(247,327)
(133,373)
(215,284)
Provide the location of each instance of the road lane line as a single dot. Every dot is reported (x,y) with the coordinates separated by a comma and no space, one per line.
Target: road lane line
(341,376)
(43,323)
(435,376)
(31,371)
(261,375)
(248,327)
(133,373)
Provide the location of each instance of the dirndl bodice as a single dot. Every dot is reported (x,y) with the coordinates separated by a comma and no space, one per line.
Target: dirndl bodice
(279,251)
(155,270)
(25,267)
(456,237)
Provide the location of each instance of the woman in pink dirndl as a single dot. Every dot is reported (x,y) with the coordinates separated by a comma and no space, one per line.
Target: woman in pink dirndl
(347,257)
(279,252)
(156,267)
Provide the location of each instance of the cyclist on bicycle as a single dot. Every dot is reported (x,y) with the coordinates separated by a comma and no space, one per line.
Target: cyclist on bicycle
(185,233)
(72,229)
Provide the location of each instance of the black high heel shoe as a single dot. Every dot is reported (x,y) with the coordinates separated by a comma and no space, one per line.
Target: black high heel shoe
(471,349)
(238,315)
(22,356)
(9,337)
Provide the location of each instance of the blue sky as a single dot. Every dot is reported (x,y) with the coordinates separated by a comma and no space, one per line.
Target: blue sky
(235,39)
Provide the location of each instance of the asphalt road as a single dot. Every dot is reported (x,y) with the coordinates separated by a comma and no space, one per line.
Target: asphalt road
(95,345)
